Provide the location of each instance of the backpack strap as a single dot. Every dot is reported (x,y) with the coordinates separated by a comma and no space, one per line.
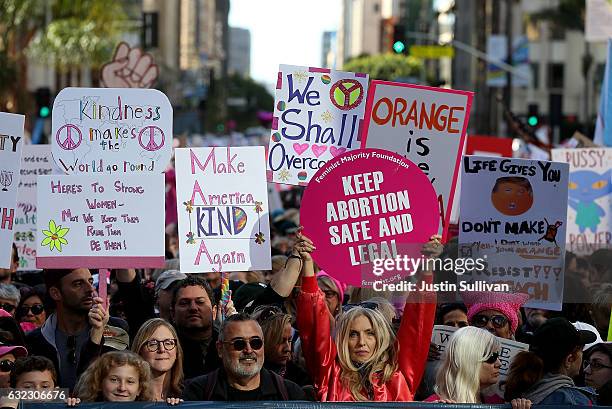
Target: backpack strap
(279,381)
(211,381)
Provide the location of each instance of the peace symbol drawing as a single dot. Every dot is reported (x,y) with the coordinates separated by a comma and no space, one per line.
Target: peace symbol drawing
(67,143)
(152,144)
(346,94)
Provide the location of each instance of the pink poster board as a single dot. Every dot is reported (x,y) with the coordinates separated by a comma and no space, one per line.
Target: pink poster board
(366,205)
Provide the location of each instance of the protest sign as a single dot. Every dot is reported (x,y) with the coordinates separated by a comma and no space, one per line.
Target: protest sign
(597,21)
(223,214)
(317,116)
(513,214)
(100,221)
(111,131)
(11,143)
(36,160)
(364,207)
(426,125)
(509,348)
(589,224)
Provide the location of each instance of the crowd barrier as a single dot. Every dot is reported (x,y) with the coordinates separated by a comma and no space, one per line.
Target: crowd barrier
(281,405)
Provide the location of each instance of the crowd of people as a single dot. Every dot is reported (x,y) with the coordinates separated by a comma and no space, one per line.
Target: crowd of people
(297,333)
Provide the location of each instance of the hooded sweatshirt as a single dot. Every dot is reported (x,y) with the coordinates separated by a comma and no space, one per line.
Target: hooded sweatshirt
(558,389)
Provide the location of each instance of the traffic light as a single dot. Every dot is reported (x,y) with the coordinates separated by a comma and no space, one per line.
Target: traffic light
(43,102)
(533,117)
(399,39)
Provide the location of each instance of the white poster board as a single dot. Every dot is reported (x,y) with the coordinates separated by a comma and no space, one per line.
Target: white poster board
(111,131)
(11,143)
(100,221)
(509,348)
(36,160)
(589,224)
(513,214)
(598,17)
(223,213)
(424,124)
(318,115)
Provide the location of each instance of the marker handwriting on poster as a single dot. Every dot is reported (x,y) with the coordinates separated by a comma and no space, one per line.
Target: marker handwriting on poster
(11,145)
(221,211)
(506,166)
(427,126)
(100,216)
(318,114)
(36,161)
(111,130)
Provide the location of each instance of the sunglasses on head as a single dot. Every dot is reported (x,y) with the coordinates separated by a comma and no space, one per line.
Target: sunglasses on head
(493,358)
(366,304)
(36,309)
(240,344)
(498,321)
(6,365)
(7,307)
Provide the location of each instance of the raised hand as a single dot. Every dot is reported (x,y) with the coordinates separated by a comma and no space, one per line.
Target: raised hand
(129,68)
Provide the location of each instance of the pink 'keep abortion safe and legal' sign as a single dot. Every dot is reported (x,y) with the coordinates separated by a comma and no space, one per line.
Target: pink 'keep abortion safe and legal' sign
(366,205)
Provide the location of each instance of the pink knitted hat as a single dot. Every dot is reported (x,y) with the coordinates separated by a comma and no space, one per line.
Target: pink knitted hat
(338,284)
(506,303)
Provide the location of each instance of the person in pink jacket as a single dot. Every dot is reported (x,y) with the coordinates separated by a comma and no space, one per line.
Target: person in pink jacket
(363,360)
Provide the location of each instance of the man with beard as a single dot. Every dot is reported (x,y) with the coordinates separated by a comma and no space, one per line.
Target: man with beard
(72,336)
(242,377)
(193,311)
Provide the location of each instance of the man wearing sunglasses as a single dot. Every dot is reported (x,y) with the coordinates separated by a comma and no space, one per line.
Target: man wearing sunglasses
(242,376)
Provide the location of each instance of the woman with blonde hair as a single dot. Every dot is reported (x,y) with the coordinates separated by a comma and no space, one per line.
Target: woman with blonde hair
(119,376)
(469,364)
(364,360)
(157,343)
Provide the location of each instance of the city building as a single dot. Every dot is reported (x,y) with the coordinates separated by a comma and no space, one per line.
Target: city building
(328,50)
(239,51)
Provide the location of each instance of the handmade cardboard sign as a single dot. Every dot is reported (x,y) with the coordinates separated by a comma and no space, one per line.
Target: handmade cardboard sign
(11,143)
(589,224)
(366,206)
(513,214)
(223,214)
(100,221)
(424,124)
(509,348)
(317,116)
(36,160)
(111,131)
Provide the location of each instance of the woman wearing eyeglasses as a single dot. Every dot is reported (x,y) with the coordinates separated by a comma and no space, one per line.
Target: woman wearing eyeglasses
(31,307)
(364,360)
(157,342)
(598,367)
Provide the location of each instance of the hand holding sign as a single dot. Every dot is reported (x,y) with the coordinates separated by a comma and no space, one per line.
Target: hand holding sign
(130,68)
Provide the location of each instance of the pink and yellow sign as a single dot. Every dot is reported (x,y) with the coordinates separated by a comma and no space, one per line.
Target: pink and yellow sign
(364,206)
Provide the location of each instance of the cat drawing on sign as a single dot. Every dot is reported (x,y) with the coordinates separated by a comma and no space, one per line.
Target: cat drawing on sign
(585,186)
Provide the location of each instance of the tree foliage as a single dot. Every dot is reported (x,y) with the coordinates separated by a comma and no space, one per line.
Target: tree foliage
(387,67)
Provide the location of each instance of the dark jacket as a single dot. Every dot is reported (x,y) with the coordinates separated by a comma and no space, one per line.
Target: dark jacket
(41,341)
(137,303)
(197,361)
(196,389)
(555,389)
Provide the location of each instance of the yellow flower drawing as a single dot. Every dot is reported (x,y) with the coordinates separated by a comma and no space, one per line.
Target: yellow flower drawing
(55,236)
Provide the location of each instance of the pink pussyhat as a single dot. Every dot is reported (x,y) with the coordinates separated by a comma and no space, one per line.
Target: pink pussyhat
(506,303)
(341,287)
